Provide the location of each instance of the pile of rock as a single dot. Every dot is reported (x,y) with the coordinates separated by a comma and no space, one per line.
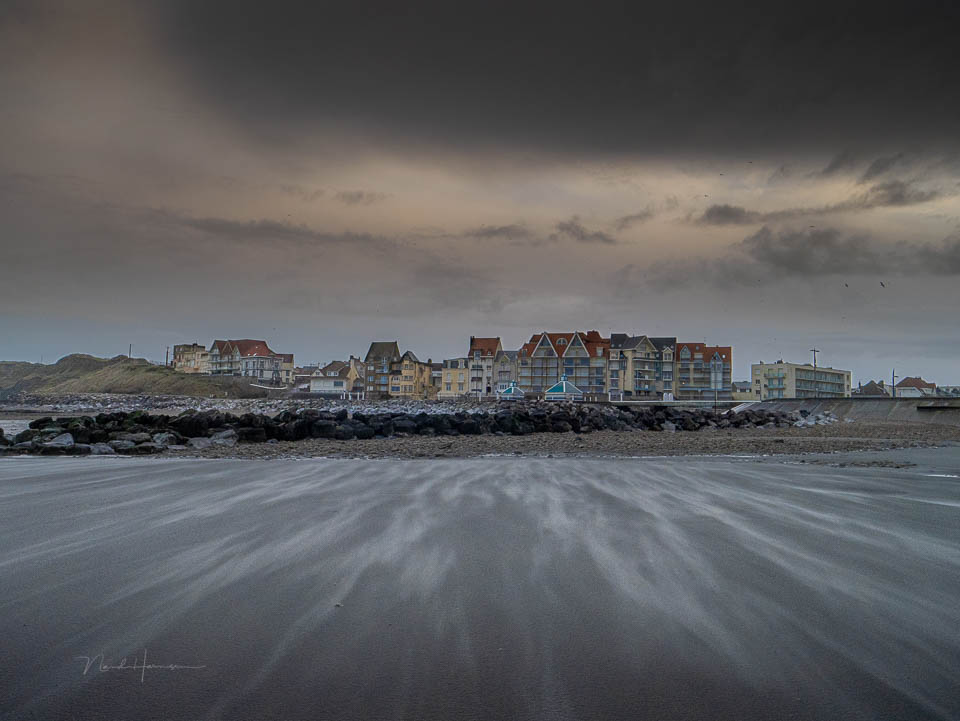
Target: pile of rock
(808,420)
(140,433)
(93,403)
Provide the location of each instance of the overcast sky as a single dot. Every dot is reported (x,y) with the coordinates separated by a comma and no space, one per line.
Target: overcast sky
(768,176)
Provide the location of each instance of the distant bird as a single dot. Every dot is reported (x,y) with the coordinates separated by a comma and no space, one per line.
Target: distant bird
(721,173)
(846,285)
(813,226)
(706,196)
(750,162)
(882,285)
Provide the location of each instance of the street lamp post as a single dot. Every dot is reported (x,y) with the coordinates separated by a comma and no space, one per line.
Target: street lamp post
(816,390)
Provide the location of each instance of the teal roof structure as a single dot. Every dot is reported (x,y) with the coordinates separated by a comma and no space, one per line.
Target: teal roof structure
(564,387)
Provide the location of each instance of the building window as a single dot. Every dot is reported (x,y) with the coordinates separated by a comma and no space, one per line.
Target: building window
(459,386)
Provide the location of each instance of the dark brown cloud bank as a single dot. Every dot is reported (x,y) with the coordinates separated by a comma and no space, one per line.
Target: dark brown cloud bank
(321,174)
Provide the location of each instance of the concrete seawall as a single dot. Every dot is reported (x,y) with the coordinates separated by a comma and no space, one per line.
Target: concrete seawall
(941,411)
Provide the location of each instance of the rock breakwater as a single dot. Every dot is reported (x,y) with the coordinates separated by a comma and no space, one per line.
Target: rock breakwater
(143,433)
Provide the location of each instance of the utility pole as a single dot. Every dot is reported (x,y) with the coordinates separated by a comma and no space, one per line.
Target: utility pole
(893,383)
(130,351)
(166,358)
(816,390)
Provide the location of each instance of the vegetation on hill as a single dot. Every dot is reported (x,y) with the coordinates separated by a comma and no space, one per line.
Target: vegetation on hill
(87,374)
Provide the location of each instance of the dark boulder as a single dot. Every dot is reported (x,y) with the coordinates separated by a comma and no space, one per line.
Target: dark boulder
(344,433)
(363,431)
(251,434)
(469,427)
(190,426)
(296,430)
(323,429)
(26,435)
(404,425)
(251,420)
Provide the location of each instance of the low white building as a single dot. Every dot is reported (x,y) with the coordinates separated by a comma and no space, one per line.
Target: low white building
(339,378)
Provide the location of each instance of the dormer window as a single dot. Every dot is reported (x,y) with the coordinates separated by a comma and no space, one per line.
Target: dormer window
(562,341)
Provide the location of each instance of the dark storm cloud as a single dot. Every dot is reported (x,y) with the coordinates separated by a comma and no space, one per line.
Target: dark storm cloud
(843,162)
(895,193)
(881,166)
(646,78)
(261,231)
(628,221)
(513,231)
(767,256)
(729,215)
(359,197)
(575,230)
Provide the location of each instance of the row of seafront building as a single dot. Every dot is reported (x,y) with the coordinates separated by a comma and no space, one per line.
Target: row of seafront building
(621,367)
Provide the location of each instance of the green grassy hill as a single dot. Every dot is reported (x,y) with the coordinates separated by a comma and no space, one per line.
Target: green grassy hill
(87,374)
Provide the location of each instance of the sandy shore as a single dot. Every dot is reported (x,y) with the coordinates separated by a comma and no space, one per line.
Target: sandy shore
(822,439)
(689,589)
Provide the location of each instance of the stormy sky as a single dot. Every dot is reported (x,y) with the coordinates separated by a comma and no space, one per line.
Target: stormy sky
(321,175)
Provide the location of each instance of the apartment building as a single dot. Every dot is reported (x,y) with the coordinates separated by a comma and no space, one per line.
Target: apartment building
(640,367)
(581,357)
(410,377)
(190,358)
(378,364)
(664,366)
(250,358)
(703,372)
(481,356)
(505,369)
(453,381)
(436,379)
(798,380)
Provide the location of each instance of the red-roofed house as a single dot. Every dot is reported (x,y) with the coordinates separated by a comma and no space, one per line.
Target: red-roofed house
(482,353)
(581,357)
(703,372)
(911,387)
(251,358)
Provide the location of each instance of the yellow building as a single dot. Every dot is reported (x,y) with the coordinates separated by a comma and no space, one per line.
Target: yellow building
(453,383)
(410,377)
(798,380)
(743,391)
(190,358)
(641,367)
